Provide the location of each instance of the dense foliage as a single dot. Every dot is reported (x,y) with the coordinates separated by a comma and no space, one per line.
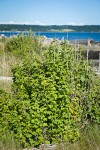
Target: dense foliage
(36,28)
(52,97)
(23,45)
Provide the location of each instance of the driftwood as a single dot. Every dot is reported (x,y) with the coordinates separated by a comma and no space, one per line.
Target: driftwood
(91,54)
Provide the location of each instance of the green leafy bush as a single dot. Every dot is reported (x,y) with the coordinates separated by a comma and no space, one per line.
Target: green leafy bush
(19,46)
(52,96)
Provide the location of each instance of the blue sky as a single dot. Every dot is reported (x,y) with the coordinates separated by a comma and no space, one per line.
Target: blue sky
(47,12)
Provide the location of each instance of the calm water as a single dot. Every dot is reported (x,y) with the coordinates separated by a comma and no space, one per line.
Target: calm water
(62,35)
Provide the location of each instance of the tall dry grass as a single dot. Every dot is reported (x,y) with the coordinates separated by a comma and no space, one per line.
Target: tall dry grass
(89,140)
(5,69)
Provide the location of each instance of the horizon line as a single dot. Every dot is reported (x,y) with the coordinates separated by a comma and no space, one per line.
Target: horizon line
(50,24)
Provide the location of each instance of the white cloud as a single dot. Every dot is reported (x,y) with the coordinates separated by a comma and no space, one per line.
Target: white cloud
(13,22)
(26,22)
(38,23)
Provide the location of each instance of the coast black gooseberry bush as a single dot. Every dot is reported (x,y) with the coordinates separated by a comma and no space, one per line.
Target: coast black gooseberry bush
(52,96)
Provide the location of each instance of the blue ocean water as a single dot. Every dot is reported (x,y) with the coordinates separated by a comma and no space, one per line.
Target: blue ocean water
(62,35)
(72,35)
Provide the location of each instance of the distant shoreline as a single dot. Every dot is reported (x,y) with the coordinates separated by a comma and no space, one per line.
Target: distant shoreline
(55,31)
(47,28)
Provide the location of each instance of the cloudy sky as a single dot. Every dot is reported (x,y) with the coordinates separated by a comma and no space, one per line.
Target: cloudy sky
(48,12)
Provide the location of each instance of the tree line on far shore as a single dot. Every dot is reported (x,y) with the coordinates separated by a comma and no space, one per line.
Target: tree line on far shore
(76,28)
